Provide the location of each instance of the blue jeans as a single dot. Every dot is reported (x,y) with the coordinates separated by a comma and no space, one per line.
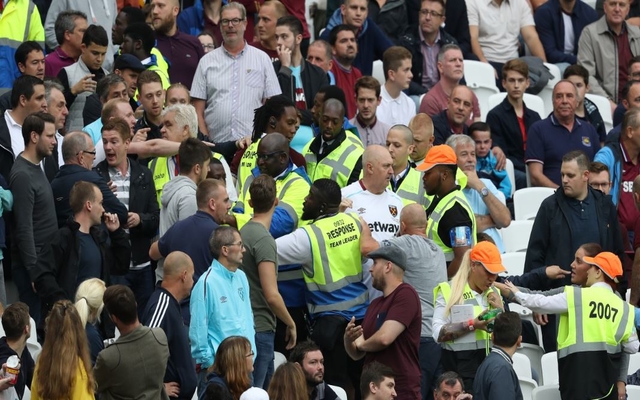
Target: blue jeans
(429,366)
(142,284)
(263,364)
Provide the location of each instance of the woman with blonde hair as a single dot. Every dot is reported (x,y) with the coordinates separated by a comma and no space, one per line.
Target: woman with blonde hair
(63,370)
(288,383)
(232,366)
(460,308)
(89,305)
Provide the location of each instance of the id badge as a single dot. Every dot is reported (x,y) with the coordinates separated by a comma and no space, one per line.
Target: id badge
(460,236)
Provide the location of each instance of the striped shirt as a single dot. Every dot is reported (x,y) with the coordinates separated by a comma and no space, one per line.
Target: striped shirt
(123,184)
(233,87)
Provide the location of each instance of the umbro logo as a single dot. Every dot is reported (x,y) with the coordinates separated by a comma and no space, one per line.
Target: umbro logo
(223,299)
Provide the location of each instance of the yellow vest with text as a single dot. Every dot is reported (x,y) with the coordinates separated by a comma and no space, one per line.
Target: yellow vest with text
(597,321)
(434,219)
(159,167)
(246,165)
(338,164)
(334,280)
(411,189)
(482,337)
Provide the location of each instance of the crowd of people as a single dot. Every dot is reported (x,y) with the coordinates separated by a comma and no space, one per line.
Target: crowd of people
(190,188)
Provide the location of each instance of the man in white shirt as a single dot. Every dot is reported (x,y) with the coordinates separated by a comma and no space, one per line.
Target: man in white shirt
(373,201)
(396,107)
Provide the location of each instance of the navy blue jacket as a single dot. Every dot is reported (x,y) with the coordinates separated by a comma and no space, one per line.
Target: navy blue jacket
(505,131)
(163,311)
(442,129)
(550,27)
(372,42)
(64,181)
(27,365)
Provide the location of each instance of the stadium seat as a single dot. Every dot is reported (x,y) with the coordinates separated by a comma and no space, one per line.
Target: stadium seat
(512,175)
(550,368)
(515,237)
(535,354)
(605,109)
(480,78)
(526,202)
(527,315)
(547,392)
(532,101)
(527,386)
(378,72)
(522,365)
(514,262)
(547,92)
(340,392)
(633,392)
(278,360)
(634,364)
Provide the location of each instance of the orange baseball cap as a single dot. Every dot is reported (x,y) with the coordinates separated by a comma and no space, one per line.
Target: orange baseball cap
(438,155)
(608,262)
(487,254)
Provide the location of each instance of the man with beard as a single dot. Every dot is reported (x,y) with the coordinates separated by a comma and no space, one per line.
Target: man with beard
(308,355)
(391,324)
(345,50)
(183,51)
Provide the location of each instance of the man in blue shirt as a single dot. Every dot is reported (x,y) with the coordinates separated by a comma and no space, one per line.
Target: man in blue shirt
(561,132)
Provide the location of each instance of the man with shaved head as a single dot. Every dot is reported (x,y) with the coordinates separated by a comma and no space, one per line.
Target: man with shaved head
(453,120)
(422,128)
(269,13)
(292,183)
(373,200)
(425,269)
(163,310)
(406,181)
(334,153)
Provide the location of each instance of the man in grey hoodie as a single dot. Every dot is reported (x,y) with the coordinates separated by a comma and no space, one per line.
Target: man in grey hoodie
(179,194)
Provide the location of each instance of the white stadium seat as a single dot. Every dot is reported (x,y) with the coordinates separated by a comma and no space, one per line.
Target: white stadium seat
(340,392)
(526,202)
(480,78)
(547,392)
(515,237)
(514,262)
(550,368)
(378,72)
(604,107)
(547,92)
(527,386)
(532,101)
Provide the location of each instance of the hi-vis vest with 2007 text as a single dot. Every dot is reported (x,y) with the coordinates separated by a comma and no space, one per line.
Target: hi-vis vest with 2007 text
(443,206)
(336,165)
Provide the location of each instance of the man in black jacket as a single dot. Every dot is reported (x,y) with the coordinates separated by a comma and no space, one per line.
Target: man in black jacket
(299,80)
(17,329)
(83,249)
(573,216)
(136,191)
(78,153)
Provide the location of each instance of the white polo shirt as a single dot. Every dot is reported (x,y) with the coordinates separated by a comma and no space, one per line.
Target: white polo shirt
(395,111)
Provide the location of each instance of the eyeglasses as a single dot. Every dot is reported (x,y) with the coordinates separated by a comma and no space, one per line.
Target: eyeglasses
(209,46)
(234,21)
(93,153)
(599,186)
(234,244)
(434,14)
(266,156)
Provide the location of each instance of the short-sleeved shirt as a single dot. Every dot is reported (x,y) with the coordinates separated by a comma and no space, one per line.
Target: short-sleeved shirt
(455,217)
(401,305)
(499,26)
(183,52)
(233,87)
(582,213)
(395,111)
(548,142)
(259,246)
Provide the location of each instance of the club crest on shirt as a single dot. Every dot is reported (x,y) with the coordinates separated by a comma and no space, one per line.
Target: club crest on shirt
(586,141)
(241,293)
(393,210)
(361,210)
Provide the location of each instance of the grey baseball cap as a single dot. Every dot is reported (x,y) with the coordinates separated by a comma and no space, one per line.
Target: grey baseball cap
(390,252)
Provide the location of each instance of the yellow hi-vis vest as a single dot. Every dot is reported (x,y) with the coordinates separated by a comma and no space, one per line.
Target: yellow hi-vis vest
(159,167)
(443,206)
(482,337)
(590,334)
(338,164)
(334,280)
(246,165)
(411,189)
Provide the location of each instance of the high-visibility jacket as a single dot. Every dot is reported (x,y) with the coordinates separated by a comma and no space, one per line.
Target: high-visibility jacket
(247,164)
(159,167)
(411,190)
(482,338)
(334,280)
(337,165)
(291,189)
(590,334)
(443,206)
(20,21)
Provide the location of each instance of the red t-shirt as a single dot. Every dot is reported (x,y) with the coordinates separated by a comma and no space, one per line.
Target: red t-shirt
(346,80)
(523,130)
(273,54)
(402,305)
(627,212)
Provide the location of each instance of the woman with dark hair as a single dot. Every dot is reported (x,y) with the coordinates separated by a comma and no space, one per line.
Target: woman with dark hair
(232,367)
(63,370)
(288,383)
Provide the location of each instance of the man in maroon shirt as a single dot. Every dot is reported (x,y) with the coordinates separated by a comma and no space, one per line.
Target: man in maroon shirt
(269,14)
(345,50)
(392,323)
(70,27)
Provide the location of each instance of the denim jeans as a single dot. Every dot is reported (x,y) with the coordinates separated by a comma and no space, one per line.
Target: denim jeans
(429,366)
(25,291)
(263,364)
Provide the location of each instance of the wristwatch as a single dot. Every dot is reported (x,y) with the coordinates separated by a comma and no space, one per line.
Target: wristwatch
(484,192)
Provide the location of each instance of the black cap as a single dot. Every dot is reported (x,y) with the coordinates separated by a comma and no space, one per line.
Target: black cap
(128,61)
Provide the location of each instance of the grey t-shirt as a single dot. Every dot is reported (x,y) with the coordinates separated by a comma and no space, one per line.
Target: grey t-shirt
(259,246)
(426,269)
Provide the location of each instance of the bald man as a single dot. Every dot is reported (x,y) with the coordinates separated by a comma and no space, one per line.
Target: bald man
(373,200)
(425,269)
(422,128)
(268,15)
(453,120)
(163,310)
(335,154)
(406,181)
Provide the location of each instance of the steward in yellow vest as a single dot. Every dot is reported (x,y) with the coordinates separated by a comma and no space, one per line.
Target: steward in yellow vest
(596,331)
(466,342)
(451,222)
